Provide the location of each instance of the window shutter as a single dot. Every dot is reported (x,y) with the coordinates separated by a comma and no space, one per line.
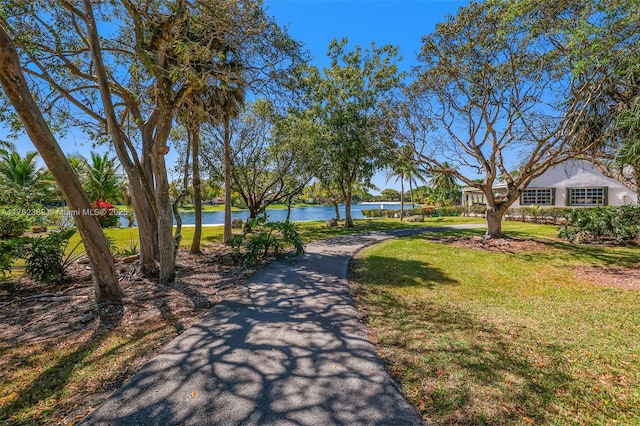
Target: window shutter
(568,199)
(605,193)
(553,196)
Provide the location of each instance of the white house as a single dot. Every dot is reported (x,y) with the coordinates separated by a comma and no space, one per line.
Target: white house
(574,183)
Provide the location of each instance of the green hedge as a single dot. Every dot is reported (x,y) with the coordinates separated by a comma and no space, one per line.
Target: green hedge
(537,214)
(417,211)
(12,224)
(619,224)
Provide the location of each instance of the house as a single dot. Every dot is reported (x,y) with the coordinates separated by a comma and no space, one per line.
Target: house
(574,183)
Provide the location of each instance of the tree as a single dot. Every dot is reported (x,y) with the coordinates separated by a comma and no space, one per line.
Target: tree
(495,88)
(102,181)
(604,37)
(260,162)
(293,136)
(23,182)
(15,87)
(405,167)
(352,104)
(444,183)
(389,194)
(321,193)
(128,82)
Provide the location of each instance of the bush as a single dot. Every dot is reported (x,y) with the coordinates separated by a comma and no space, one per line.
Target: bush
(415,218)
(428,211)
(12,224)
(372,212)
(105,212)
(7,256)
(45,258)
(619,224)
(263,237)
(538,214)
(478,210)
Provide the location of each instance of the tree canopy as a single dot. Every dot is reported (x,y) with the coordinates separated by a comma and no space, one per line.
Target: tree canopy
(351,104)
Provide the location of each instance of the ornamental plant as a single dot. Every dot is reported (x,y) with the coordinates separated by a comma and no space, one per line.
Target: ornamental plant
(105,212)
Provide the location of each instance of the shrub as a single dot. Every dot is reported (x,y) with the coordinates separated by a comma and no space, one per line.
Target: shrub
(7,256)
(105,212)
(45,258)
(428,211)
(478,210)
(619,224)
(372,212)
(263,237)
(444,211)
(415,218)
(12,224)
(457,210)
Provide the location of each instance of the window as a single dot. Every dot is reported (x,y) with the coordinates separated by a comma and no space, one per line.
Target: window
(587,196)
(538,197)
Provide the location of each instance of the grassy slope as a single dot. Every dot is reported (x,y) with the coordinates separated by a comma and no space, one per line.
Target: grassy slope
(480,337)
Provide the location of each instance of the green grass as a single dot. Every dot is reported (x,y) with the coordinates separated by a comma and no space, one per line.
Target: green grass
(43,381)
(478,337)
(123,238)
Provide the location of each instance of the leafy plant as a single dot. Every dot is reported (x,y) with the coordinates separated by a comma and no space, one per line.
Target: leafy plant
(105,212)
(12,224)
(620,224)
(131,250)
(262,237)
(45,258)
(7,256)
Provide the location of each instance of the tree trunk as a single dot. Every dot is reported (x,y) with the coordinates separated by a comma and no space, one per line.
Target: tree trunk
(401,199)
(140,193)
(197,195)
(336,206)
(413,204)
(146,233)
(227,183)
(289,200)
(17,91)
(494,222)
(348,221)
(166,242)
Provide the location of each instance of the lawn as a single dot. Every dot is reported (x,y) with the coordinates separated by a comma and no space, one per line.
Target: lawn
(479,337)
(64,359)
(126,238)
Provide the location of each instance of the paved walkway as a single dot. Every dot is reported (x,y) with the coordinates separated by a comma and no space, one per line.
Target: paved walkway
(287,349)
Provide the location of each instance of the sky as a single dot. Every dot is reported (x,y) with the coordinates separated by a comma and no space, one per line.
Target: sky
(401,23)
(316,22)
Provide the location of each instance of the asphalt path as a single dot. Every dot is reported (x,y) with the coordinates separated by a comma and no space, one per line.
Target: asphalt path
(285,349)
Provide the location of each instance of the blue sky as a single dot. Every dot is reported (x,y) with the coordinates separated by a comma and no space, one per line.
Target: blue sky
(400,23)
(316,22)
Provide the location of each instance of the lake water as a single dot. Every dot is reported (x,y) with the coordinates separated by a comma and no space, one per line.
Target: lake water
(298,214)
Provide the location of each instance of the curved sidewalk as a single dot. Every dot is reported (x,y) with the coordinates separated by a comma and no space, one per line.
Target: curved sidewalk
(286,349)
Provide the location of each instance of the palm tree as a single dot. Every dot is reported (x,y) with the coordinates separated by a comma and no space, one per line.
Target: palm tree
(230,99)
(24,182)
(20,171)
(443,180)
(102,180)
(406,168)
(6,147)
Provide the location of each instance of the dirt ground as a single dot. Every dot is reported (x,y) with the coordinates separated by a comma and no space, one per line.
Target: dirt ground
(36,316)
(32,313)
(617,277)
